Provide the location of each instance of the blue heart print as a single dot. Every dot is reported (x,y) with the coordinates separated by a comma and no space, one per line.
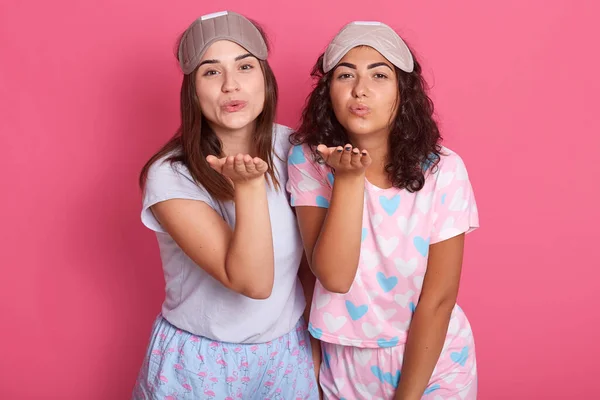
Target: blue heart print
(327,358)
(386,284)
(390,205)
(363,236)
(292,201)
(427,163)
(356,312)
(322,202)
(460,358)
(297,156)
(413,307)
(432,389)
(443,198)
(388,343)
(330,178)
(386,377)
(316,332)
(422,245)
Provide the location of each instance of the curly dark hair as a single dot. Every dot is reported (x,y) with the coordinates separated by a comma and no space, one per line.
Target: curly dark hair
(414,135)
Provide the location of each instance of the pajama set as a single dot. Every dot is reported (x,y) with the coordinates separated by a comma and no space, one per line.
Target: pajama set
(212,343)
(364,331)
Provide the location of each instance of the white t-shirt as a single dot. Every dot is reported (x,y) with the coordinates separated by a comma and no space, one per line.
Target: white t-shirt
(198,303)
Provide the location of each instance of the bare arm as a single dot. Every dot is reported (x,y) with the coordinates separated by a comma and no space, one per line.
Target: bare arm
(332,237)
(337,251)
(430,322)
(242,259)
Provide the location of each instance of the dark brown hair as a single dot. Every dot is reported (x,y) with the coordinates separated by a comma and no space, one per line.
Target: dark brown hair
(414,144)
(195,140)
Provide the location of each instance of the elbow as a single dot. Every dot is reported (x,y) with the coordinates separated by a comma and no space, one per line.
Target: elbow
(257,291)
(442,306)
(257,294)
(336,284)
(333,278)
(338,289)
(257,286)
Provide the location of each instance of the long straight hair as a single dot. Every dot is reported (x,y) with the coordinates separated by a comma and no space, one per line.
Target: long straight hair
(194,140)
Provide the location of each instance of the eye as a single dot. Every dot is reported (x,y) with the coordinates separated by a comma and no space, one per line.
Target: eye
(344,76)
(380,76)
(210,72)
(247,67)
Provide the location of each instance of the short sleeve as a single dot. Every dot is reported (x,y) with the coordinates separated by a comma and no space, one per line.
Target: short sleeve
(167,181)
(455,209)
(309,183)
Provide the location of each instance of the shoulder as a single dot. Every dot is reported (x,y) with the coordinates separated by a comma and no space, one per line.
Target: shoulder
(449,174)
(173,178)
(165,169)
(281,140)
(450,161)
(302,155)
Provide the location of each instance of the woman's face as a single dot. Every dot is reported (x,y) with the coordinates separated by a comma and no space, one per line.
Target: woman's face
(230,86)
(364,91)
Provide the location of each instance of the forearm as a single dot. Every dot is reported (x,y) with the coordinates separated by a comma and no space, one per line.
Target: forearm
(249,262)
(337,251)
(423,348)
(307,279)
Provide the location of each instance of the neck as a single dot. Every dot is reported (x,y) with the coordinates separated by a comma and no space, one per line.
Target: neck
(236,141)
(377,145)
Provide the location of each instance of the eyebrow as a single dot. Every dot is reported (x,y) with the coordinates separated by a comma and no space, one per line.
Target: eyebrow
(370,66)
(238,58)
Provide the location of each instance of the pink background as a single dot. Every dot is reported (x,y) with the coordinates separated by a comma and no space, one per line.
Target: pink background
(88,92)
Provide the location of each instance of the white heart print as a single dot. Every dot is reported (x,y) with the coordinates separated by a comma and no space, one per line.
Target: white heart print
(387,245)
(308,184)
(369,259)
(401,326)
(424,202)
(323,300)
(444,179)
(448,230)
(402,299)
(362,356)
(406,268)
(407,225)
(370,330)
(454,326)
(334,324)
(344,341)
(384,314)
(339,383)
(367,392)
(372,295)
(459,203)
(376,220)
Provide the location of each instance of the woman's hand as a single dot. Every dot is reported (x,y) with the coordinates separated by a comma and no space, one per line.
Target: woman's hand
(345,160)
(239,169)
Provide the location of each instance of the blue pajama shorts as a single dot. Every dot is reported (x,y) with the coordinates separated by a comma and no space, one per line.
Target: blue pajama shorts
(180,365)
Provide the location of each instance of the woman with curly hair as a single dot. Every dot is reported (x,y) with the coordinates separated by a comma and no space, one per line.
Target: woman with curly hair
(383,209)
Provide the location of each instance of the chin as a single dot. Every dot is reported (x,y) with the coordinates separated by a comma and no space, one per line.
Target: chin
(360,128)
(235,122)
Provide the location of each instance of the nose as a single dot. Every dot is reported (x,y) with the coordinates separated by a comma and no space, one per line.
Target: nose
(230,84)
(360,88)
